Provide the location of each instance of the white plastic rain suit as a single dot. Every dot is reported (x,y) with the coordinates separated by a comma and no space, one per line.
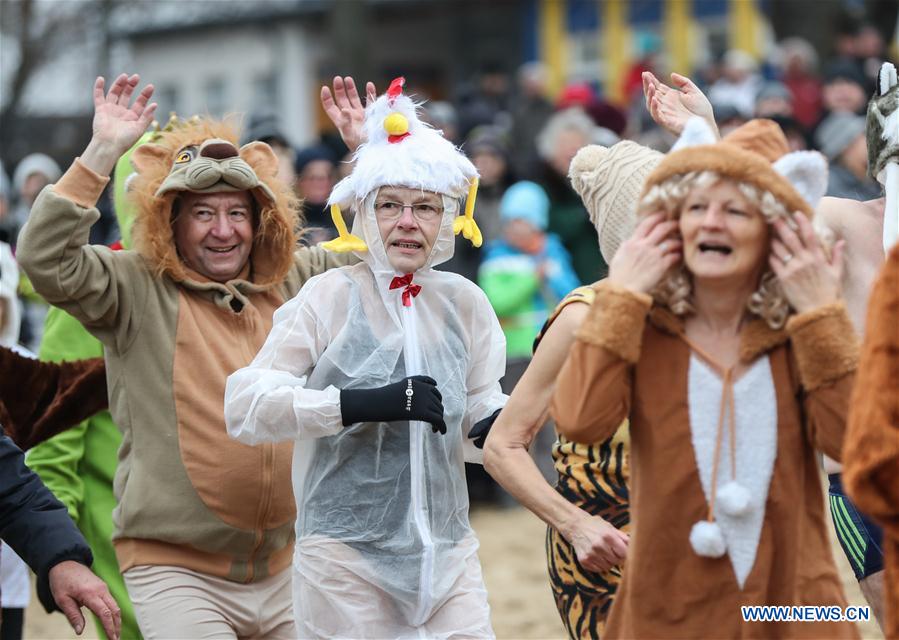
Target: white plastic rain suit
(384,546)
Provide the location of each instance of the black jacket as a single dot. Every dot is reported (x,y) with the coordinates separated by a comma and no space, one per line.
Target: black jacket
(34,523)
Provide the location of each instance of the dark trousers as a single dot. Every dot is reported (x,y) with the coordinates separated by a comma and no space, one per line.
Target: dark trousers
(11,623)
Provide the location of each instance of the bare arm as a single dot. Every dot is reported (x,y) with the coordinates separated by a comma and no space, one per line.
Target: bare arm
(597,543)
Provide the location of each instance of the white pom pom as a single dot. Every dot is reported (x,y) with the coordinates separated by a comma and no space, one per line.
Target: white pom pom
(734,499)
(707,540)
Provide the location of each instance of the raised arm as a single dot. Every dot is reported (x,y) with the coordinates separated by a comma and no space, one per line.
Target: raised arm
(671,107)
(90,282)
(598,544)
(118,123)
(822,336)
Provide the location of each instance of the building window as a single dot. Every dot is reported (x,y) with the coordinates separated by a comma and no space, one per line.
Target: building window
(167,98)
(265,90)
(214,97)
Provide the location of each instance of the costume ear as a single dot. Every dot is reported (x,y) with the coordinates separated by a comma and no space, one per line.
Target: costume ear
(807,172)
(887,78)
(146,155)
(260,157)
(696,132)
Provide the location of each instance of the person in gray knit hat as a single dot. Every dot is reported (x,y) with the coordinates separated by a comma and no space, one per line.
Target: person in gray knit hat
(609,180)
(841,137)
(588,512)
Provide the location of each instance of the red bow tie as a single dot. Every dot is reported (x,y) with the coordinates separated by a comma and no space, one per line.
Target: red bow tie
(410,291)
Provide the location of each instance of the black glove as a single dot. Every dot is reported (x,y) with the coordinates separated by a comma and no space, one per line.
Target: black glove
(481,429)
(413,398)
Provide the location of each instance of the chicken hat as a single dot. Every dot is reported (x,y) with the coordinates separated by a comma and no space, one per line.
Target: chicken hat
(402,151)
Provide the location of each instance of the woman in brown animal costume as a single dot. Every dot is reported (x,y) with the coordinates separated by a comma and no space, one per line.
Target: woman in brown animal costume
(720,335)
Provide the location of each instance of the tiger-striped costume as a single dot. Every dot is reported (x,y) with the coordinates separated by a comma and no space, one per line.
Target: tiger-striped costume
(593,477)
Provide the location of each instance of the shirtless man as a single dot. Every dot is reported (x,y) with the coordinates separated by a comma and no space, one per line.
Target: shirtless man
(860,224)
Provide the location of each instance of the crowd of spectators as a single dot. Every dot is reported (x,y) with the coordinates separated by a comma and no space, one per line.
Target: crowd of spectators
(521,139)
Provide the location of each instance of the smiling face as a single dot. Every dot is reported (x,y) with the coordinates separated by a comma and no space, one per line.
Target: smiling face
(408,232)
(725,236)
(214,232)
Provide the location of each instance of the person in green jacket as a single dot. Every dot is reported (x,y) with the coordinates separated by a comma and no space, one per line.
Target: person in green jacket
(78,465)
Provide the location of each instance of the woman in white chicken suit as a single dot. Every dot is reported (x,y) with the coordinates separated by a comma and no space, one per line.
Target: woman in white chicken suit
(355,367)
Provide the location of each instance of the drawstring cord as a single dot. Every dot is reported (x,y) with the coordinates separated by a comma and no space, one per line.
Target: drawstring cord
(726,414)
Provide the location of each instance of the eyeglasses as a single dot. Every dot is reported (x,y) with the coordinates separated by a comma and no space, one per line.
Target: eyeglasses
(422,211)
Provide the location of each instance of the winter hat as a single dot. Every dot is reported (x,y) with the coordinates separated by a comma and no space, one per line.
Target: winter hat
(265,127)
(609,181)
(486,139)
(837,132)
(35,163)
(756,153)
(844,70)
(312,154)
(773,89)
(401,150)
(525,201)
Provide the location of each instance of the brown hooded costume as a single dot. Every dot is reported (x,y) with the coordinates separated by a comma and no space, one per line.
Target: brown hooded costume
(187,494)
(632,360)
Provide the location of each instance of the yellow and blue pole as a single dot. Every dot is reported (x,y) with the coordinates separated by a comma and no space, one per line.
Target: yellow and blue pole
(744,26)
(678,27)
(616,47)
(554,42)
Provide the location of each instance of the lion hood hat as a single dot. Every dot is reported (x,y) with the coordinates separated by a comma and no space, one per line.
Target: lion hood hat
(202,156)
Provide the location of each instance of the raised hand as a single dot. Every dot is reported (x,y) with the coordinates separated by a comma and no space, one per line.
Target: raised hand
(643,259)
(118,123)
(345,109)
(671,107)
(808,277)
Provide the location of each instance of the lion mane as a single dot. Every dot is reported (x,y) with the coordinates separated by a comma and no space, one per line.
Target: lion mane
(276,225)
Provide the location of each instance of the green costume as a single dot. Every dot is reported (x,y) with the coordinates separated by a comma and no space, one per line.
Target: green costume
(78,465)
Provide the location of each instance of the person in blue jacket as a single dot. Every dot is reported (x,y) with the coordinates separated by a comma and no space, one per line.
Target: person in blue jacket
(38,528)
(527,271)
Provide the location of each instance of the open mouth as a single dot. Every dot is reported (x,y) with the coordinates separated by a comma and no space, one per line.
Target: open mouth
(222,249)
(711,247)
(407,244)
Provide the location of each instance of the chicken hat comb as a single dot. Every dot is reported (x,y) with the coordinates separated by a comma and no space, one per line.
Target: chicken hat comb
(402,151)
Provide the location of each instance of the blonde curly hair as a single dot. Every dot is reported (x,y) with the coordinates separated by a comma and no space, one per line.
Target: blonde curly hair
(675,291)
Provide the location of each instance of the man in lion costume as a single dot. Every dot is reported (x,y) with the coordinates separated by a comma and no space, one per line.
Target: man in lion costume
(204,524)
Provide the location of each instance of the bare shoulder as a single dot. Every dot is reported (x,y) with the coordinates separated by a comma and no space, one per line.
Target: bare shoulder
(559,336)
(572,315)
(843,215)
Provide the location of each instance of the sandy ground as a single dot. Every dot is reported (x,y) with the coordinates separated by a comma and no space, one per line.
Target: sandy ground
(515,572)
